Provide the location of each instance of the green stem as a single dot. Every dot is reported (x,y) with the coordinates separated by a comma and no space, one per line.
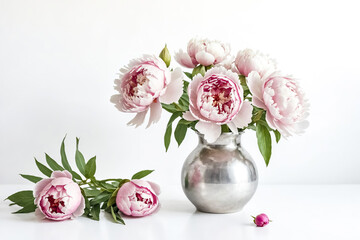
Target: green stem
(178,107)
(111,179)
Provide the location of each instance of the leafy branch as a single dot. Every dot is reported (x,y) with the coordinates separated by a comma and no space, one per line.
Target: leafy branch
(98,194)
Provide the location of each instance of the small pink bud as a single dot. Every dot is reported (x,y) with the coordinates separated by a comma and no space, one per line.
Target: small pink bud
(261,220)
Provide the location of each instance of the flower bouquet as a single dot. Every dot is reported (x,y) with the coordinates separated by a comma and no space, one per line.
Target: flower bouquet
(220,97)
(220,94)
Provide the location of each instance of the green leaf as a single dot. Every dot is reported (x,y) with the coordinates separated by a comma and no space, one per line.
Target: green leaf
(79,159)
(264,142)
(27,209)
(102,197)
(199,69)
(116,216)
(169,107)
(64,160)
(45,170)
(24,199)
(90,168)
(107,186)
(76,175)
(189,75)
(31,178)
(257,115)
(180,132)
(53,164)
(95,212)
(277,135)
(91,192)
(112,199)
(141,174)
(167,136)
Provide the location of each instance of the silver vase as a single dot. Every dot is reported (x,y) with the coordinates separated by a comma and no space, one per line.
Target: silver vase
(219,177)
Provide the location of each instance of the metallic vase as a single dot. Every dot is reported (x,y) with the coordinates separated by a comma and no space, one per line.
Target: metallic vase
(219,177)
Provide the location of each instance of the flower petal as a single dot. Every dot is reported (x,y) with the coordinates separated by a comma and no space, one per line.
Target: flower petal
(232,127)
(57,174)
(39,187)
(122,199)
(204,58)
(211,131)
(155,113)
(138,119)
(80,210)
(184,59)
(255,84)
(174,89)
(243,118)
(155,187)
(189,117)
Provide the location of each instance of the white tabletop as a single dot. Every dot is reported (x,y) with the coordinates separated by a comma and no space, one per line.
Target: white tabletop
(297,212)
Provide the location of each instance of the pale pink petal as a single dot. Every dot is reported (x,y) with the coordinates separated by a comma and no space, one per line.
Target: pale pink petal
(184,59)
(155,187)
(175,88)
(80,210)
(193,89)
(138,119)
(39,187)
(155,113)
(255,84)
(122,199)
(188,116)
(61,181)
(197,114)
(270,120)
(205,58)
(211,131)
(258,103)
(141,183)
(243,118)
(64,173)
(232,127)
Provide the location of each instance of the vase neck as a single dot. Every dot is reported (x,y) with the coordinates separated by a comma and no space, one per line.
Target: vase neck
(224,140)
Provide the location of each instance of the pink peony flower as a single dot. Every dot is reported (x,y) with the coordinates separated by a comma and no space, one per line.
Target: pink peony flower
(144,84)
(247,61)
(217,99)
(59,197)
(138,198)
(261,220)
(283,99)
(204,52)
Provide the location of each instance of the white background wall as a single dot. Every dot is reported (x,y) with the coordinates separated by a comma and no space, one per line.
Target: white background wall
(58,60)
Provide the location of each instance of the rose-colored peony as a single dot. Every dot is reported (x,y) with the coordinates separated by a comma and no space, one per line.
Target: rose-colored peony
(247,61)
(59,197)
(283,99)
(144,84)
(217,99)
(138,198)
(261,220)
(204,52)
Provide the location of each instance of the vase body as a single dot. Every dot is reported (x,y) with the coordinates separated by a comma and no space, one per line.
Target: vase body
(219,177)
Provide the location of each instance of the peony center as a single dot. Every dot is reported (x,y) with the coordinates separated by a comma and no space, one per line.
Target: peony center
(55,204)
(141,198)
(219,101)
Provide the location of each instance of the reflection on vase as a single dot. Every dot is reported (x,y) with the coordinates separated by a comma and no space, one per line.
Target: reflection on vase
(219,177)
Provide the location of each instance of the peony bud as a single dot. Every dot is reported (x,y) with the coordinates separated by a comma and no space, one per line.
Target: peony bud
(261,220)
(165,56)
(138,198)
(59,197)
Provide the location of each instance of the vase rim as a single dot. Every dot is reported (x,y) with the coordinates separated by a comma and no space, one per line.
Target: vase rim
(224,139)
